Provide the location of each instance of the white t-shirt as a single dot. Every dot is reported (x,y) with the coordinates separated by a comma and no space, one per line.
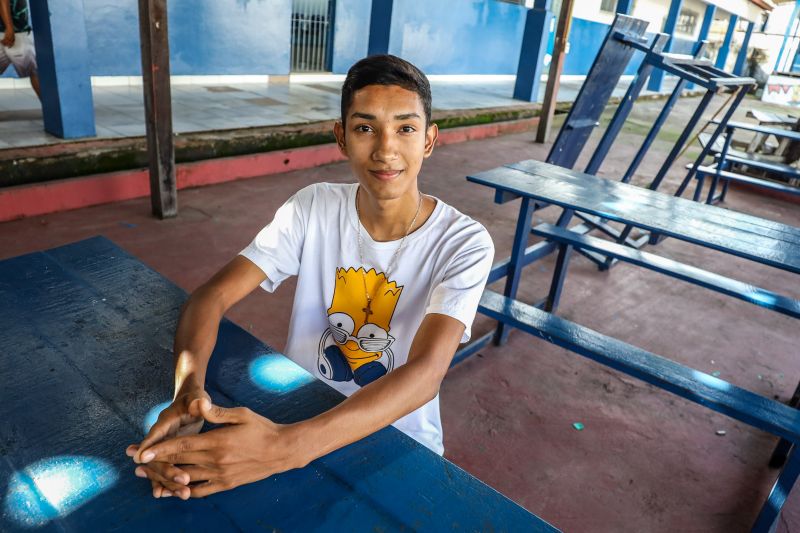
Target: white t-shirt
(333,333)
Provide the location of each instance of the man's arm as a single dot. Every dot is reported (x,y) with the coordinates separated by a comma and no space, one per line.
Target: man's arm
(395,395)
(5,16)
(199,321)
(252,447)
(195,338)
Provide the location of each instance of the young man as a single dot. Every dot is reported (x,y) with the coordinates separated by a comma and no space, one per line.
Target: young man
(16,46)
(389,281)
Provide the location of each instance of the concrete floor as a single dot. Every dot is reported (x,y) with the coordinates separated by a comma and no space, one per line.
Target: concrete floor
(646,460)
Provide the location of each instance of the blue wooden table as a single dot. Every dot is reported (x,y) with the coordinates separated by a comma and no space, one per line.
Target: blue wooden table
(85,355)
(758,240)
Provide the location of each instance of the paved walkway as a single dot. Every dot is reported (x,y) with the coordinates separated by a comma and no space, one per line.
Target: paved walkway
(119,109)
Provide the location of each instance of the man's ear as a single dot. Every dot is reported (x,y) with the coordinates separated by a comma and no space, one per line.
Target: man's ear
(431,134)
(338,132)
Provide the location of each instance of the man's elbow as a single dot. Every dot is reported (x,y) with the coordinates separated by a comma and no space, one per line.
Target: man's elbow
(205,297)
(431,377)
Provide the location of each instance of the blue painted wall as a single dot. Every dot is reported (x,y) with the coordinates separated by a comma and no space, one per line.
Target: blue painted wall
(211,37)
(350,33)
(206,37)
(458,36)
(440,37)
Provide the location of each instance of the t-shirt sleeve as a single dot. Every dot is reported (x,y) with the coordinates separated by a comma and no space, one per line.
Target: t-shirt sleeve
(460,290)
(278,247)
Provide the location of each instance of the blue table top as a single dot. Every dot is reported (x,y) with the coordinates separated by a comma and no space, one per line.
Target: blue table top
(86,356)
(763,241)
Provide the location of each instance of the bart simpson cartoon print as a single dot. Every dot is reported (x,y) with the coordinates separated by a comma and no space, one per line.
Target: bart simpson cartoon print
(357,346)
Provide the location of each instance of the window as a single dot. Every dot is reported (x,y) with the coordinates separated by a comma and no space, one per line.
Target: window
(609,6)
(687,22)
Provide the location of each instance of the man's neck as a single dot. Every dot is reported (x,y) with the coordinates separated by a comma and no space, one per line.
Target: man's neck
(390,220)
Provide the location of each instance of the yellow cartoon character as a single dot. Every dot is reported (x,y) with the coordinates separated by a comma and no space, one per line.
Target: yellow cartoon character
(356,345)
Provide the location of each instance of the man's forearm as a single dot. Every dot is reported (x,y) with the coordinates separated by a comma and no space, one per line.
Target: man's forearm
(371,408)
(195,339)
(5,14)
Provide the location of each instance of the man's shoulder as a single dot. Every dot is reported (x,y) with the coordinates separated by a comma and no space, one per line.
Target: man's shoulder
(456,225)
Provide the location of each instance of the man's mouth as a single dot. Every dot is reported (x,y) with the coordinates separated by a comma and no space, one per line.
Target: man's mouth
(385,174)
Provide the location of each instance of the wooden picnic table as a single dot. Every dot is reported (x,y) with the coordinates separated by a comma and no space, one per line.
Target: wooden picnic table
(539,184)
(86,360)
(769,119)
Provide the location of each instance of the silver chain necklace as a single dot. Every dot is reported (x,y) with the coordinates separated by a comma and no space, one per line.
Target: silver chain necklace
(368,309)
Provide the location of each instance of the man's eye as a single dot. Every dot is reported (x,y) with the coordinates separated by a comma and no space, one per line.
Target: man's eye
(408,129)
(363,128)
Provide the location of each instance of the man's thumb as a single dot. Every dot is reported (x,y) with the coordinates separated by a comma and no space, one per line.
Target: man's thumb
(216,414)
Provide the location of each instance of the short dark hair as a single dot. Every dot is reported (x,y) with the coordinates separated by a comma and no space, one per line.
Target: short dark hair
(386,69)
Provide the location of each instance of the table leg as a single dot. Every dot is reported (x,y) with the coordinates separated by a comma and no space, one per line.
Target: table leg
(701,178)
(784,446)
(516,265)
(560,272)
(768,517)
(757,142)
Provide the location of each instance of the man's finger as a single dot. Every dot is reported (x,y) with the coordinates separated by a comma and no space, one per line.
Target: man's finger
(157,488)
(200,473)
(168,471)
(205,489)
(180,450)
(177,489)
(220,415)
(160,430)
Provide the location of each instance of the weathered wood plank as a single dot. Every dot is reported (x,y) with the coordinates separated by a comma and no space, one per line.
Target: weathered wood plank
(154,41)
(760,240)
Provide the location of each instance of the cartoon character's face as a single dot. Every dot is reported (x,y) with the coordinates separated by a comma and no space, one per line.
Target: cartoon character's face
(362,331)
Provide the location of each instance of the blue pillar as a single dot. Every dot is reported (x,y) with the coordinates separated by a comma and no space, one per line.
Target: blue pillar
(62,55)
(532,51)
(789,27)
(657,77)
(624,7)
(722,56)
(708,19)
(742,57)
(380,24)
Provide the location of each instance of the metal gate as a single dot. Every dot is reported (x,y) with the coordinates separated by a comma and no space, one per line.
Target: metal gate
(312,32)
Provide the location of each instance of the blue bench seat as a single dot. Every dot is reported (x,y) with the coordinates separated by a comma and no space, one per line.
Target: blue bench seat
(710,280)
(699,387)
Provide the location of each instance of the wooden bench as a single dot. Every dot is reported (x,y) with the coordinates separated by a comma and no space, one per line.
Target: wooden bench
(730,163)
(766,118)
(693,385)
(737,234)
(672,268)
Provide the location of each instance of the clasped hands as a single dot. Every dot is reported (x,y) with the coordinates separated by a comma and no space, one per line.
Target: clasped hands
(180,461)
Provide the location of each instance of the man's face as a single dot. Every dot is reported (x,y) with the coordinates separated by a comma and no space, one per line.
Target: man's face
(386,140)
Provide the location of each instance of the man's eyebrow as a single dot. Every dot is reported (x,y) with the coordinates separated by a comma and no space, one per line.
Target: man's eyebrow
(407,116)
(404,116)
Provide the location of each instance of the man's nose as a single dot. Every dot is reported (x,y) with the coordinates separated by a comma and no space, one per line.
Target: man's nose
(386,147)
